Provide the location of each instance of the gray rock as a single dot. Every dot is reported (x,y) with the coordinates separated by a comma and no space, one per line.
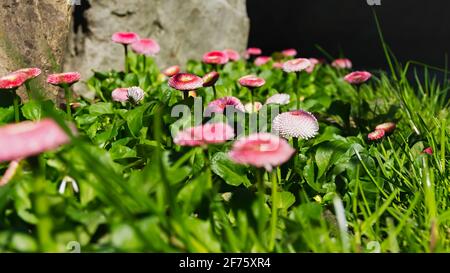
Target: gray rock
(33,33)
(185,29)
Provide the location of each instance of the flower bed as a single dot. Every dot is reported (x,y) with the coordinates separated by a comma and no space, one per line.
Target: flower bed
(231,154)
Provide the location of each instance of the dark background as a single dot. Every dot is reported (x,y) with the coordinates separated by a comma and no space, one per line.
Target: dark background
(414,29)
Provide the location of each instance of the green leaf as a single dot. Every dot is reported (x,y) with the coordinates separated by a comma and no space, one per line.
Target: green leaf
(101,108)
(134,119)
(23,243)
(6,115)
(232,173)
(32,110)
(285,200)
(323,156)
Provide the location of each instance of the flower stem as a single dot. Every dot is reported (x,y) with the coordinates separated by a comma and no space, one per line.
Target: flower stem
(145,62)
(44,225)
(274,218)
(297,150)
(28,88)
(251,97)
(208,167)
(68,97)
(215,91)
(185,95)
(16,108)
(260,185)
(298,90)
(126,58)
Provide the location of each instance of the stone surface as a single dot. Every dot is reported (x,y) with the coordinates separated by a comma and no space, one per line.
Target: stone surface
(34,33)
(185,29)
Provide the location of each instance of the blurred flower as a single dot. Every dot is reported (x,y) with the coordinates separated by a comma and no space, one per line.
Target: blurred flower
(29,138)
(313,62)
(68,180)
(253,107)
(254,51)
(13,80)
(233,55)
(135,94)
(281,99)
(185,82)
(210,133)
(125,38)
(387,127)
(10,172)
(277,65)
(147,47)
(297,124)
(357,77)
(120,94)
(61,79)
(262,150)
(210,78)
(342,63)
(428,150)
(251,81)
(291,52)
(219,105)
(30,72)
(171,71)
(215,57)
(262,60)
(376,135)
(296,65)
(75,105)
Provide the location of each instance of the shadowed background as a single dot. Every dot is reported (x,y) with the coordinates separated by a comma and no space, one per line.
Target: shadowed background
(415,30)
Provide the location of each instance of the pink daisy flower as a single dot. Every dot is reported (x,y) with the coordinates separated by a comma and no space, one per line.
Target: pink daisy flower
(291,52)
(210,79)
(31,72)
(185,82)
(253,107)
(262,60)
(254,51)
(120,94)
(28,138)
(296,65)
(296,124)
(210,133)
(219,105)
(125,38)
(261,150)
(215,57)
(428,150)
(233,55)
(358,77)
(281,99)
(251,81)
(313,62)
(135,94)
(171,71)
(277,65)
(376,135)
(13,80)
(342,64)
(68,78)
(147,47)
(387,127)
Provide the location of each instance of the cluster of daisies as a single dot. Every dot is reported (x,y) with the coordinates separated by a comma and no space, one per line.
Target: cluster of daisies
(261,150)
